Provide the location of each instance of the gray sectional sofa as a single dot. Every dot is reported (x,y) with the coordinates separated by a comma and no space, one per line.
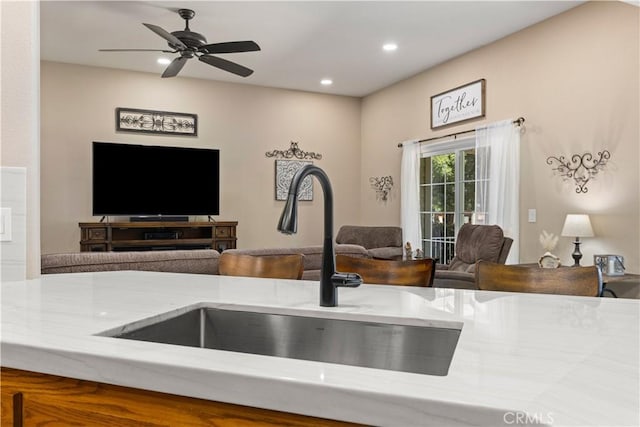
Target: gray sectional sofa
(200,261)
(359,241)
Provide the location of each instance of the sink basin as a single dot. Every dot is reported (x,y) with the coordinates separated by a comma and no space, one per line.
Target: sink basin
(406,348)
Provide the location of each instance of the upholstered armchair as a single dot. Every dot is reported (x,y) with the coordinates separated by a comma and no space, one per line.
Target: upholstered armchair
(474,243)
(379,241)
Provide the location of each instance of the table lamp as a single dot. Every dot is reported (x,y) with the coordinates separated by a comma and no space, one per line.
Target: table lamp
(577,225)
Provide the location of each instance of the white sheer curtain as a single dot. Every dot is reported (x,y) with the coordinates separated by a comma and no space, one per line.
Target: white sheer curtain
(410,194)
(498,180)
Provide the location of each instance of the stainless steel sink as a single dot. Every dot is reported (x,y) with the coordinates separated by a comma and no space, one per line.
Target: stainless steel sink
(407,348)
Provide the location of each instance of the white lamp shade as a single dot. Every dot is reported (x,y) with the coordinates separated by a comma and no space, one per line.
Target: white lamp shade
(577,225)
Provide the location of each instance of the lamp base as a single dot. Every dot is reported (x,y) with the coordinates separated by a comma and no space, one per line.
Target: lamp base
(577,255)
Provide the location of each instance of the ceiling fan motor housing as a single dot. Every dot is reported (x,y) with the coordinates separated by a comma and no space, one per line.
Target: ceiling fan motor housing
(192,39)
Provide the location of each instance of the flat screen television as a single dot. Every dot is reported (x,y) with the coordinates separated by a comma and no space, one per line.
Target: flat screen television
(149,180)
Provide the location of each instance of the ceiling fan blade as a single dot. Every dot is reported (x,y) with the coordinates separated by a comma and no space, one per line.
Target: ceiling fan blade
(230,47)
(225,65)
(174,68)
(173,40)
(137,50)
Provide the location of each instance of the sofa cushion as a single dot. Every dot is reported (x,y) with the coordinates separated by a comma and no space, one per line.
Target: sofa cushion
(199,261)
(385,253)
(370,236)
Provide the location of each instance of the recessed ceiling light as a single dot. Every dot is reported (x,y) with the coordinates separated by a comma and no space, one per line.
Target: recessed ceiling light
(326,82)
(164,61)
(389,47)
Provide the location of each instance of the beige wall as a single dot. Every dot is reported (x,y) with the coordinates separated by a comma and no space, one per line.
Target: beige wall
(575,78)
(19,142)
(243,121)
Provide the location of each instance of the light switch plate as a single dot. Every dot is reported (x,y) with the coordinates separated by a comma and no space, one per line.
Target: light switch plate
(5,224)
(532,215)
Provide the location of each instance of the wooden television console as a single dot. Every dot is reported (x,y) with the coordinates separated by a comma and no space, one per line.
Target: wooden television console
(131,236)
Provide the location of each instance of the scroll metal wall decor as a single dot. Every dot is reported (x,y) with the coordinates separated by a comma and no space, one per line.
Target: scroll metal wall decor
(293,152)
(382,185)
(581,168)
(158,122)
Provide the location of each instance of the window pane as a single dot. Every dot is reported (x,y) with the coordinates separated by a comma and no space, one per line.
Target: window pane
(437,226)
(438,197)
(437,250)
(450,197)
(450,229)
(426,225)
(443,167)
(449,252)
(425,199)
(425,170)
(469,165)
(469,196)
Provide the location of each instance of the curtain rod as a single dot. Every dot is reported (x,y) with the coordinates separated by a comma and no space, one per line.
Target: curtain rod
(518,122)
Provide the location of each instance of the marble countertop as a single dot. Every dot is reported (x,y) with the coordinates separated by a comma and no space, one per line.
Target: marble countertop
(547,360)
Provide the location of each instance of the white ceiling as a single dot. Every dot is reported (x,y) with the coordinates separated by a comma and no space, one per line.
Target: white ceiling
(302,41)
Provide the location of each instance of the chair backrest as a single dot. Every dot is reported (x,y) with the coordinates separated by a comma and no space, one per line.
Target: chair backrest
(585,281)
(271,266)
(477,242)
(418,272)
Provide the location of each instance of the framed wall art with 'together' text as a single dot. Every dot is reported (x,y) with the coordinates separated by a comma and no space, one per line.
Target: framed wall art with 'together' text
(461,104)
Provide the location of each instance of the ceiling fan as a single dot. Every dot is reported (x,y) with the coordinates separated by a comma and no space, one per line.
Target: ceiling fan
(190,44)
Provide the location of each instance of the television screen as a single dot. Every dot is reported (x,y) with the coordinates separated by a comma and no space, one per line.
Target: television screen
(143,180)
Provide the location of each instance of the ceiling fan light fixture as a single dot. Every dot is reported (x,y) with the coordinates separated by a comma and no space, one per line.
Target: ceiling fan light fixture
(389,47)
(326,82)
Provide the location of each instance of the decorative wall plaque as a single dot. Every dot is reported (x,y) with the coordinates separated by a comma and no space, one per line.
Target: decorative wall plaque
(158,122)
(382,185)
(458,105)
(285,170)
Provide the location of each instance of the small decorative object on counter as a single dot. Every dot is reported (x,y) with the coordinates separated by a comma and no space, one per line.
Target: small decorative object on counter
(548,242)
(549,260)
(419,254)
(408,251)
(611,265)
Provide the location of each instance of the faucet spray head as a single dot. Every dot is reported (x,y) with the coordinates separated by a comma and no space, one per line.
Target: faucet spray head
(288,223)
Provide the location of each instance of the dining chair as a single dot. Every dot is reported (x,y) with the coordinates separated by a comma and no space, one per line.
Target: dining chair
(269,266)
(417,272)
(584,281)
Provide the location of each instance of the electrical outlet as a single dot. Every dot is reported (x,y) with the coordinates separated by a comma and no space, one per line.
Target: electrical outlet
(5,224)
(532,215)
